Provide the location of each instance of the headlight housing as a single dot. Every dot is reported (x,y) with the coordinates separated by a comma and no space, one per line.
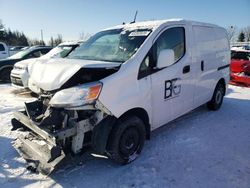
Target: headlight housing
(76,96)
(20,67)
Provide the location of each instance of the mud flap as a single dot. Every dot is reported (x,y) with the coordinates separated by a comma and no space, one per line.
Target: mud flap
(40,156)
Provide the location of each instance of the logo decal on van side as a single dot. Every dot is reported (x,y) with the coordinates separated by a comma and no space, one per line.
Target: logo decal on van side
(172,88)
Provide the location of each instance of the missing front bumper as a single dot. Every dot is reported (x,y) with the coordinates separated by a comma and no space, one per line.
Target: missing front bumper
(40,158)
(38,147)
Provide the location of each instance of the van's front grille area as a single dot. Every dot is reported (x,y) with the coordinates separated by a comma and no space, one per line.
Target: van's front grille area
(16,81)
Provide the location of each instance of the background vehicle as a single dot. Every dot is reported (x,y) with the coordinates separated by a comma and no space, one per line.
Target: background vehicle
(240,67)
(15,49)
(19,74)
(4,51)
(6,65)
(124,82)
(240,47)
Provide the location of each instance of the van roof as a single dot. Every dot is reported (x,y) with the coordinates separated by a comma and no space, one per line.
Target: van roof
(69,43)
(156,23)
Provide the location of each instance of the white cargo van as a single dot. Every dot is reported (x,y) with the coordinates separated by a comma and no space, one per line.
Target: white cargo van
(123,83)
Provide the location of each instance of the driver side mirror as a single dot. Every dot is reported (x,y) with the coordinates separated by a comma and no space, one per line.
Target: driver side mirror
(165,58)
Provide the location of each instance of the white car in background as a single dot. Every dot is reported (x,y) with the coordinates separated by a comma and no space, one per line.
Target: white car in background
(20,76)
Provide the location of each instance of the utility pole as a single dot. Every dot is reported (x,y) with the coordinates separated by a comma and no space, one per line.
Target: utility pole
(41,35)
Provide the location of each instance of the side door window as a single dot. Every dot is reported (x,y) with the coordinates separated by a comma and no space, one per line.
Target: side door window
(173,38)
(35,54)
(44,51)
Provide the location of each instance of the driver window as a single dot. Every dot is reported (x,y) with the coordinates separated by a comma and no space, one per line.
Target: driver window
(145,64)
(173,38)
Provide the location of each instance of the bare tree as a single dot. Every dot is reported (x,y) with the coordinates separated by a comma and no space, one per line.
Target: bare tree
(51,42)
(35,41)
(247,33)
(232,31)
(84,36)
(58,40)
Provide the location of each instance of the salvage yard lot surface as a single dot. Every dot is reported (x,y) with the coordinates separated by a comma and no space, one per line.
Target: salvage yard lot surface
(201,149)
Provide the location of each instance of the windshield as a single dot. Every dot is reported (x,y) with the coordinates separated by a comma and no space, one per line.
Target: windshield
(59,51)
(112,45)
(240,55)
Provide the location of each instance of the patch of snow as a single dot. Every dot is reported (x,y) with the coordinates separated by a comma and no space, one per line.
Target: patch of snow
(201,149)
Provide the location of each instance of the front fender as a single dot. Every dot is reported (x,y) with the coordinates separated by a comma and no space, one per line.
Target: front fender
(101,133)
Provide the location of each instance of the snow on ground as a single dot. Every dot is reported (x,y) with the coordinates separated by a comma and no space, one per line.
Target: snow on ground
(201,149)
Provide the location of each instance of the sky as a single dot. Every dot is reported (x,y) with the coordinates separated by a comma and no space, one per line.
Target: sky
(72,18)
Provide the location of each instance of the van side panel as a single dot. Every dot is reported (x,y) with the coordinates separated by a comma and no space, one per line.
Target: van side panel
(210,52)
(223,54)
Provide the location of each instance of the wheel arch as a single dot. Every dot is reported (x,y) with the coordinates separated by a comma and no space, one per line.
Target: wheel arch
(101,133)
(6,67)
(223,82)
(142,114)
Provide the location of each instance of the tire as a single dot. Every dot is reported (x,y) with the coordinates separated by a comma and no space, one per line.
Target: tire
(126,140)
(5,75)
(217,98)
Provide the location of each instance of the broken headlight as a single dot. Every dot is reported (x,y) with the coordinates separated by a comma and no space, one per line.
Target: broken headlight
(76,96)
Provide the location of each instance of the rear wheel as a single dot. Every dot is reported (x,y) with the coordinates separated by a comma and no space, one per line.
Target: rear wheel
(5,75)
(217,98)
(126,140)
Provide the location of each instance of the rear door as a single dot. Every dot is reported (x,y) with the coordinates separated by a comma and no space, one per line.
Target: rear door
(204,53)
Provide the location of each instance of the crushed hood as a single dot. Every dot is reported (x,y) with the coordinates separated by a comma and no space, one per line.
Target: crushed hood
(52,74)
(24,63)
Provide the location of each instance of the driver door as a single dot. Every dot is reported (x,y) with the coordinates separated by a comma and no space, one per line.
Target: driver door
(171,87)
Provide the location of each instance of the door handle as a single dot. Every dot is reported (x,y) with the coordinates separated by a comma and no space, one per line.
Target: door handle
(186,69)
(202,65)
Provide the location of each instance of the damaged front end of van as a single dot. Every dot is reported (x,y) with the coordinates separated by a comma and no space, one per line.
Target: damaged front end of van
(66,116)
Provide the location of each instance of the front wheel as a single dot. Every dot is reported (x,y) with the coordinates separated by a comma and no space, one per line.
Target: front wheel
(126,140)
(217,99)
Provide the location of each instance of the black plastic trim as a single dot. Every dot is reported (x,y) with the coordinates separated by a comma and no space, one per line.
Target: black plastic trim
(223,67)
